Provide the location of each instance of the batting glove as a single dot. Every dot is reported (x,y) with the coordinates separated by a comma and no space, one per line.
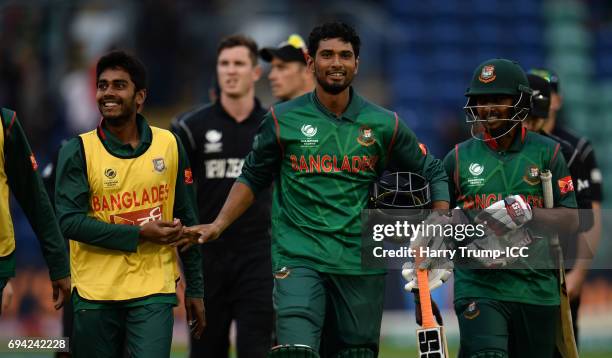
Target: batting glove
(436,277)
(506,215)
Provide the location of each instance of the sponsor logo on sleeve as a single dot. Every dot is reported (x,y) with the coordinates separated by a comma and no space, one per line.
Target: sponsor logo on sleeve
(565,185)
(33,162)
(188,176)
(423,148)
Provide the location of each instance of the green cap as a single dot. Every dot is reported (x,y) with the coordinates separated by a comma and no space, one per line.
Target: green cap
(498,76)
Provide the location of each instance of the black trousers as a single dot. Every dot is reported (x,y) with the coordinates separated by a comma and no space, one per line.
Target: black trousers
(237,286)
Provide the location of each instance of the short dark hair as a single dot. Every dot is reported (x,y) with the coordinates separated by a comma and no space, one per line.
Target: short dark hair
(239,40)
(332,30)
(127,62)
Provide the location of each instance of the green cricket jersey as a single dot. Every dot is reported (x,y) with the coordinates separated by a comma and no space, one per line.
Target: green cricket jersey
(72,202)
(481,175)
(323,166)
(19,173)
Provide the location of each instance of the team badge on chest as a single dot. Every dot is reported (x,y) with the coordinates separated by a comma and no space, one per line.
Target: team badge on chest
(159,165)
(366,137)
(532,175)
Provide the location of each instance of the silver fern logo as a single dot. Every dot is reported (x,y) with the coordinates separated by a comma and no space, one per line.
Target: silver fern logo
(308,130)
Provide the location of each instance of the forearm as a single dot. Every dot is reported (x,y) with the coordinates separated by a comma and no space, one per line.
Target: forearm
(82,228)
(563,220)
(440,205)
(239,199)
(588,242)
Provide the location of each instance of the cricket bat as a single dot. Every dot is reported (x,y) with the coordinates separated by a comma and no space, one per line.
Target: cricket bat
(431,340)
(565,341)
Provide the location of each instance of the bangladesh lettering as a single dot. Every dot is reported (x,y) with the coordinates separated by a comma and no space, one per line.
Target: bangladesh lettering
(130,199)
(331,163)
(481,201)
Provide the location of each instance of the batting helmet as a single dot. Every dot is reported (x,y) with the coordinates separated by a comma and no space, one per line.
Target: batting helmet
(499,77)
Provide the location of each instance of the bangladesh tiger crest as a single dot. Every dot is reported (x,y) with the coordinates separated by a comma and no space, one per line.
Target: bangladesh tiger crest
(159,165)
(471,311)
(366,137)
(487,74)
(532,175)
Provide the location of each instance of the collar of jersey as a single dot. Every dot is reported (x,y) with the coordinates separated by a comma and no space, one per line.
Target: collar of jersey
(252,115)
(117,148)
(516,146)
(352,111)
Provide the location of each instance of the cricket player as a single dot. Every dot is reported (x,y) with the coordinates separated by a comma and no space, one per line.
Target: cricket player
(237,267)
(19,174)
(589,194)
(511,312)
(118,190)
(289,75)
(323,150)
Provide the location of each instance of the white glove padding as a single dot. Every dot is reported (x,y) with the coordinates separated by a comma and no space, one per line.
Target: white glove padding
(505,215)
(436,277)
(439,269)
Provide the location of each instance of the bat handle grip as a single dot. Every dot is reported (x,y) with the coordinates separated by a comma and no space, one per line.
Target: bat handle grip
(424,296)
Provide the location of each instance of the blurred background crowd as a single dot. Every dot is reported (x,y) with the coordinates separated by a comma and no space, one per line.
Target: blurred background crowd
(417,58)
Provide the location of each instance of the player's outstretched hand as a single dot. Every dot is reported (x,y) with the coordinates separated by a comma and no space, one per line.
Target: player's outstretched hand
(61,292)
(197,234)
(434,308)
(161,232)
(195,316)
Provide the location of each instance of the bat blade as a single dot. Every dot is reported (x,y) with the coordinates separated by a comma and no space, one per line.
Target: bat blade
(564,335)
(431,343)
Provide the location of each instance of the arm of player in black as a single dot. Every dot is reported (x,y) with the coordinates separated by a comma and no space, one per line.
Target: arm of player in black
(588,240)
